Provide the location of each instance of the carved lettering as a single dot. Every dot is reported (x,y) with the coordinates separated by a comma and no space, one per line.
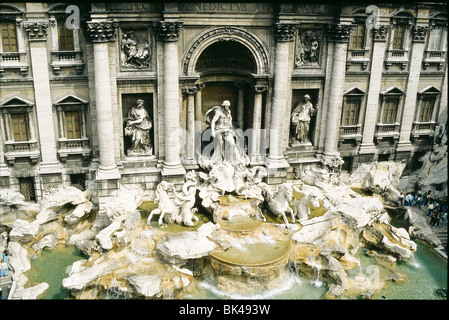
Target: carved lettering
(250,7)
(133,6)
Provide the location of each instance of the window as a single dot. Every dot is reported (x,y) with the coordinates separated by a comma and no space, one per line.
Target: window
(351,112)
(399,36)
(426,110)
(26,186)
(358,37)
(436,38)
(18,121)
(19,126)
(72,124)
(73,140)
(9,37)
(390,109)
(65,37)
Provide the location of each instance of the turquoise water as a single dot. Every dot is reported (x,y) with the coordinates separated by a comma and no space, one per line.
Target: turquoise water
(425,273)
(51,266)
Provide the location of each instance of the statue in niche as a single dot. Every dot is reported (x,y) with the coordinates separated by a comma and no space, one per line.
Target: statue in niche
(225,141)
(136,52)
(300,118)
(308,50)
(138,127)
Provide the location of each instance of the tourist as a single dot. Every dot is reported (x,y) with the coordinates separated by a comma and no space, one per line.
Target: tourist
(3,268)
(434,219)
(401,198)
(444,219)
(430,209)
(418,202)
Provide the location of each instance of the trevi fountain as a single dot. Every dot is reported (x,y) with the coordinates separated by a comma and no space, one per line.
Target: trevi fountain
(225,233)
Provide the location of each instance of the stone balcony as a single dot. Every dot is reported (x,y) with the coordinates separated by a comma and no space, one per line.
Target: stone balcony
(13,61)
(21,149)
(68,147)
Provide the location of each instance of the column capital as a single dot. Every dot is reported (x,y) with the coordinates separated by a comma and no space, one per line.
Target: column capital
(167,30)
(190,90)
(36,31)
(260,88)
(101,31)
(200,86)
(380,32)
(339,32)
(419,33)
(284,31)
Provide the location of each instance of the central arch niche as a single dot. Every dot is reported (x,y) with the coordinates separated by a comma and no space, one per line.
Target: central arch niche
(226,56)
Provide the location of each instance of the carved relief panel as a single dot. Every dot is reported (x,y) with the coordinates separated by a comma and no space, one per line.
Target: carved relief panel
(309,47)
(135,49)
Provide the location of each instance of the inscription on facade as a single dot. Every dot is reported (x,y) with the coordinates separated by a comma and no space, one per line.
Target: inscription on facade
(252,7)
(133,6)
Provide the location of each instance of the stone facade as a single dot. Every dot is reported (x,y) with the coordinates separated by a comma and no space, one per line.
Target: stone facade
(378,81)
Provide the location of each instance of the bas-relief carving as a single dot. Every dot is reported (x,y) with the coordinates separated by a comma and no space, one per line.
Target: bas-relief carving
(135,49)
(308,48)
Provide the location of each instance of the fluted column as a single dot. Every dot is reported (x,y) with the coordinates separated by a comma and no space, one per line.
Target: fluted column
(168,31)
(419,36)
(284,34)
(240,103)
(257,118)
(369,127)
(339,35)
(189,149)
(37,37)
(100,33)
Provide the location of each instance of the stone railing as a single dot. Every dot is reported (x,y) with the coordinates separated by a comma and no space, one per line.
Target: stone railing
(387,130)
(434,57)
(13,60)
(63,59)
(423,129)
(21,149)
(352,132)
(68,147)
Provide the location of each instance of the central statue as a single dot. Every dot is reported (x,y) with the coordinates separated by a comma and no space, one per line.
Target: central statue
(225,141)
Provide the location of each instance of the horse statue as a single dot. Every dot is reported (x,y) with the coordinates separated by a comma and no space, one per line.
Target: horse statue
(301,207)
(278,202)
(166,207)
(187,200)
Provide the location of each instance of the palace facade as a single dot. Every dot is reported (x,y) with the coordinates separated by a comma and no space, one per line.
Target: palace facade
(71,73)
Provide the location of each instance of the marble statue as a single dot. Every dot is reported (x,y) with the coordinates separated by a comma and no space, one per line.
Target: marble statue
(166,206)
(179,209)
(136,52)
(301,207)
(138,127)
(278,202)
(224,136)
(187,200)
(300,118)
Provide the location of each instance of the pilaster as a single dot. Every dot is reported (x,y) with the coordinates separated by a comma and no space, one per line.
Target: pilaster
(379,45)
(37,37)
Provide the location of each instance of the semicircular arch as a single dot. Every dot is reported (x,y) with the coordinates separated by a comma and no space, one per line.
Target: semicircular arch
(210,36)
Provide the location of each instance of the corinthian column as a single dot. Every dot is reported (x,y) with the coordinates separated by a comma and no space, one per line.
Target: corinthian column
(100,33)
(284,34)
(190,125)
(257,118)
(169,32)
(339,35)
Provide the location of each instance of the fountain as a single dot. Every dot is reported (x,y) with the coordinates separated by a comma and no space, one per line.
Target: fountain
(236,250)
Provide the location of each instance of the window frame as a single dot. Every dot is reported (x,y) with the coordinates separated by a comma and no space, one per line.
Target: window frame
(13,60)
(72,146)
(25,148)
(63,58)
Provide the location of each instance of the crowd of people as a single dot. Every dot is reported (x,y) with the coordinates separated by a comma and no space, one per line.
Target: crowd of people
(435,205)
